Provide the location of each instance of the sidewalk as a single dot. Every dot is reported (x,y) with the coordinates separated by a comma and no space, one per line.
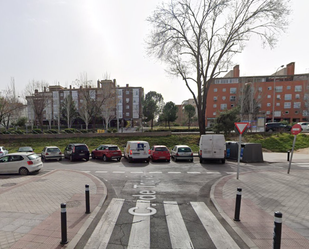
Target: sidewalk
(263,193)
(30,214)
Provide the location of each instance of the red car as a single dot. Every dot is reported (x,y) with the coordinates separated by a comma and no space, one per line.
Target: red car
(159,152)
(107,152)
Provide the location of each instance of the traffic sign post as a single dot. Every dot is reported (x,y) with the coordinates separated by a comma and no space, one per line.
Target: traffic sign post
(296,129)
(241,128)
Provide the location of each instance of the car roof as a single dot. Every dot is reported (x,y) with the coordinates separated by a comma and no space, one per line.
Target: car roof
(159,146)
(51,147)
(109,145)
(182,146)
(21,153)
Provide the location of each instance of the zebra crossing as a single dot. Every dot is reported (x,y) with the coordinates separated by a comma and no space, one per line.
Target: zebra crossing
(168,224)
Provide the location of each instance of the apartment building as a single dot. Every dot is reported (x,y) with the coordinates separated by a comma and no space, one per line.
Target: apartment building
(280,96)
(116,103)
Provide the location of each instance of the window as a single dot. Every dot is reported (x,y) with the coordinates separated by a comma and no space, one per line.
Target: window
(215,90)
(287,105)
(267,112)
(215,98)
(268,96)
(287,112)
(278,89)
(296,105)
(288,97)
(297,96)
(277,113)
(223,106)
(268,104)
(259,105)
(215,106)
(260,89)
(269,88)
(278,96)
(223,97)
(224,90)
(298,88)
(259,96)
(277,104)
(288,87)
(214,113)
(127,107)
(232,98)
(127,91)
(233,90)
(232,105)
(296,112)
(127,114)
(127,100)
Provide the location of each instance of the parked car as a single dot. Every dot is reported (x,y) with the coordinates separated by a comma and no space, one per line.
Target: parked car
(159,152)
(50,153)
(3,151)
(304,126)
(137,150)
(182,152)
(76,152)
(212,147)
(277,126)
(22,163)
(25,149)
(107,152)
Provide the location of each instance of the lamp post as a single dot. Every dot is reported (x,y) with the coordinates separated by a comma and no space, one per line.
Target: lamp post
(273,112)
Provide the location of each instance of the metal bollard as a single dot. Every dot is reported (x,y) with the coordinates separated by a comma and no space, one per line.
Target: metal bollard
(288,157)
(277,230)
(237,205)
(87,199)
(64,239)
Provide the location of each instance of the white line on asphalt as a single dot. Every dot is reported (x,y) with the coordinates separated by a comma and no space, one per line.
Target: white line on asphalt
(118,172)
(194,172)
(101,172)
(216,232)
(86,171)
(140,230)
(177,229)
(105,227)
(155,172)
(174,172)
(137,172)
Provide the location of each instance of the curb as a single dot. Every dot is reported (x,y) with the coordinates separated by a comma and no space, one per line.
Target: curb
(233,225)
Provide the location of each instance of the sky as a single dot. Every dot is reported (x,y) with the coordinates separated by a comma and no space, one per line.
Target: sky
(58,40)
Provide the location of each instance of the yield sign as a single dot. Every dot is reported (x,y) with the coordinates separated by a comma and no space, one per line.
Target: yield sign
(241,127)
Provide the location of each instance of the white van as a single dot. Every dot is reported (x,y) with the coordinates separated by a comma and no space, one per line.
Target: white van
(137,150)
(212,147)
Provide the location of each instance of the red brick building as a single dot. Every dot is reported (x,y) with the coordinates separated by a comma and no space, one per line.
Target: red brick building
(280,96)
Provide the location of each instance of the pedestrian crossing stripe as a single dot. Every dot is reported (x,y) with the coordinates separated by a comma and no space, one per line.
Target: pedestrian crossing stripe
(155,172)
(140,233)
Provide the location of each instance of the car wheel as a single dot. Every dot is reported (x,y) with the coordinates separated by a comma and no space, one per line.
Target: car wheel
(93,156)
(23,171)
(60,159)
(191,160)
(71,158)
(104,158)
(118,159)
(175,159)
(148,160)
(87,158)
(223,161)
(201,160)
(168,160)
(130,159)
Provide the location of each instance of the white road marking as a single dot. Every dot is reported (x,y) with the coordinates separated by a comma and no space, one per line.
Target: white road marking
(86,171)
(216,232)
(140,231)
(194,172)
(101,172)
(137,172)
(174,172)
(155,172)
(118,172)
(105,226)
(177,229)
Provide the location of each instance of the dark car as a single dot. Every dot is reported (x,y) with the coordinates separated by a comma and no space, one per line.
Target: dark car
(76,152)
(277,126)
(107,152)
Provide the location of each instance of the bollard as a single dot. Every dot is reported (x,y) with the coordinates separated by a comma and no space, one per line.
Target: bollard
(277,230)
(288,156)
(87,199)
(237,205)
(63,224)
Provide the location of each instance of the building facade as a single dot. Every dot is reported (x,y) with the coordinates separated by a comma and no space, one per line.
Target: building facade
(282,96)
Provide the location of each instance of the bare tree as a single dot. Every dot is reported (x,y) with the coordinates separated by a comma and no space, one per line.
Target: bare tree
(37,97)
(68,110)
(198,40)
(108,101)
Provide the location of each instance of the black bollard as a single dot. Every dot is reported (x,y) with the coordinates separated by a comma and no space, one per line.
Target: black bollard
(64,239)
(87,199)
(277,230)
(237,205)
(288,157)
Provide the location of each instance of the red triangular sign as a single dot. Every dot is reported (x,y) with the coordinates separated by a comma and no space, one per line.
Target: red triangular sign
(241,127)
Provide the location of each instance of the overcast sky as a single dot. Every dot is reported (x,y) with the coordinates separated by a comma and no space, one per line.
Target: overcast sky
(58,40)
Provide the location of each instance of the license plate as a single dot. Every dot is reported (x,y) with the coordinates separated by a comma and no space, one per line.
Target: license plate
(82,154)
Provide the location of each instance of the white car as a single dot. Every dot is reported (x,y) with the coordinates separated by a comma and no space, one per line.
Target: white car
(182,152)
(304,126)
(21,163)
(50,153)
(3,151)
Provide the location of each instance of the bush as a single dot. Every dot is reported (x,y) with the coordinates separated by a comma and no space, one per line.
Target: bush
(18,132)
(85,131)
(37,131)
(52,131)
(112,130)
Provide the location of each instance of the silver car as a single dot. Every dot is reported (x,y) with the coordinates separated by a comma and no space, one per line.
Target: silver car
(22,163)
(182,152)
(3,151)
(50,153)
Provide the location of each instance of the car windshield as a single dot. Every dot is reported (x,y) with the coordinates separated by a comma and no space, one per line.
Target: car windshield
(25,149)
(33,156)
(113,148)
(184,149)
(53,150)
(160,149)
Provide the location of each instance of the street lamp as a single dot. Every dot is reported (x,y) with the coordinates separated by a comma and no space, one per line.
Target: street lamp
(273,112)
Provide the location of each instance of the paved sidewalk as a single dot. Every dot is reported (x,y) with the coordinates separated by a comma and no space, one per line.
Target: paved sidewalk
(30,215)
(263,193)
